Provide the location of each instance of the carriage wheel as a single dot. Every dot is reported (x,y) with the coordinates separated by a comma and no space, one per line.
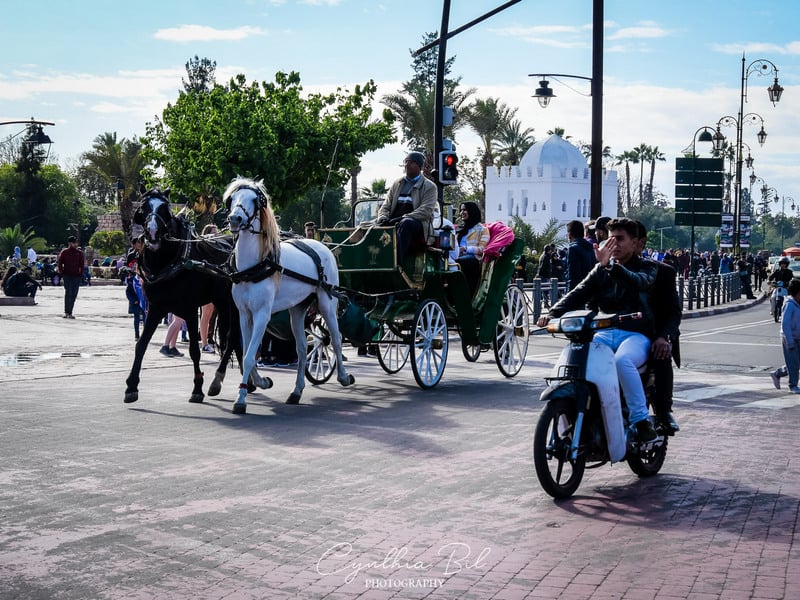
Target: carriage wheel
(471,353)
(511,340)
(321,357)
(429,344)
(392,357)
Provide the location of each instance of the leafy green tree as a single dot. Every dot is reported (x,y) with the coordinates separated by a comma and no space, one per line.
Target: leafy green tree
(325,212)
(267,131)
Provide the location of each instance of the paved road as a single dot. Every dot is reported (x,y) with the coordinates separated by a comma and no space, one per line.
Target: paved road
(376,491)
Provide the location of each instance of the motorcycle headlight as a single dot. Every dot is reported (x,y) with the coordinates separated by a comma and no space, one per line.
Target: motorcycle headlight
(571,324)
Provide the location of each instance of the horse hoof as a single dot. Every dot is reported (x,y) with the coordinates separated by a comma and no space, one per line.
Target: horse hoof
(293,399)
(239,409)
(349,380)
(196,398)
(251,387)
(131,397)
(264,383)
(215,388)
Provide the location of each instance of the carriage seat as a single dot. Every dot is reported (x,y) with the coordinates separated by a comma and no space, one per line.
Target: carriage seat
(501,237)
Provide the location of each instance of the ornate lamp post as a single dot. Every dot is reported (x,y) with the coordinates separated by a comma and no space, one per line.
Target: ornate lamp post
(761,67)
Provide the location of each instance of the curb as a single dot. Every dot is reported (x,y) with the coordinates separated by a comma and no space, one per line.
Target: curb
(719,310)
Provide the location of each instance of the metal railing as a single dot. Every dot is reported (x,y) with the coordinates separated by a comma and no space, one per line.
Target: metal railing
(694,292)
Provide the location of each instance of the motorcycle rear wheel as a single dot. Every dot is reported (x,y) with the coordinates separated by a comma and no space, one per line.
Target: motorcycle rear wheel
(558,475)
(648,463)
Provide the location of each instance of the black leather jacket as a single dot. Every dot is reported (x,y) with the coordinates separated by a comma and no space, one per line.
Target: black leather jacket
(618,289)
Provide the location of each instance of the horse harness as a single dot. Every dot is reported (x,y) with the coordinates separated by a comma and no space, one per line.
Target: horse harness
(268,267)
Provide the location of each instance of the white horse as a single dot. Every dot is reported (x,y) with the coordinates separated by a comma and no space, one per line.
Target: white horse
(272,276)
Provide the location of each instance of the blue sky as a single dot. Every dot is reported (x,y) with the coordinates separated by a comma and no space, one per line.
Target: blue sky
(670,67)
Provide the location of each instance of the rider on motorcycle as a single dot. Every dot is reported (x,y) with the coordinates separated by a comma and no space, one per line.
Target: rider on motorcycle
(783,274)
(619,283)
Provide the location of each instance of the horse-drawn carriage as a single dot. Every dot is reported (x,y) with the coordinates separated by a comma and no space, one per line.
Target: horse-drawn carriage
(414,306)
(352,278)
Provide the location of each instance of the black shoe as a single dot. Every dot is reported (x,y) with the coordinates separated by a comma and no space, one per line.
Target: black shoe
(645,432)
(668,421)
(174,352)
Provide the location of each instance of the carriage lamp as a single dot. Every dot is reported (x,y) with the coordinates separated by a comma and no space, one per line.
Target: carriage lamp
(445,234)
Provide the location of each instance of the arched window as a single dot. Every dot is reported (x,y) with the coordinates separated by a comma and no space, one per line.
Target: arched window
(534,206)
(544,206)
(564,206)
(578,207)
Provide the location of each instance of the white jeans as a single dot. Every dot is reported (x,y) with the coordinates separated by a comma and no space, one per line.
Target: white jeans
(630,352)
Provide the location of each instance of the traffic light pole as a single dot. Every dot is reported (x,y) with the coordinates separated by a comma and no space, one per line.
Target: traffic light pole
(439,99)
(444,34)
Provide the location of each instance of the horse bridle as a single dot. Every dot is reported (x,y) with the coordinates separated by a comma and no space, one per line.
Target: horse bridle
(261,202)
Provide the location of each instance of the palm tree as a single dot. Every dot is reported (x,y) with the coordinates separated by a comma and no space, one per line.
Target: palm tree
(488,118)
(513,142)
(121,165)
(414,109)
(655,154)
(376,189)
(642,152)
(626,158)
(560,132)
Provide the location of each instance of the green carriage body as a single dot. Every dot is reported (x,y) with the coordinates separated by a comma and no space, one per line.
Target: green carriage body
(389,293)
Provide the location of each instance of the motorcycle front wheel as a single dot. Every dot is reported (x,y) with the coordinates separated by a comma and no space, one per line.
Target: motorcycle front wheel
(558,474)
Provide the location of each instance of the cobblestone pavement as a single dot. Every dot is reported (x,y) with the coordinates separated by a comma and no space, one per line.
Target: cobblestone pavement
(376,491)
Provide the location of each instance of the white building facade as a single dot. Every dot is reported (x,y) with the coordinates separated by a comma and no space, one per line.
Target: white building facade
(551,182)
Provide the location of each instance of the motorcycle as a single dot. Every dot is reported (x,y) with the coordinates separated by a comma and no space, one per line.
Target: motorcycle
(779,292)
(584,424)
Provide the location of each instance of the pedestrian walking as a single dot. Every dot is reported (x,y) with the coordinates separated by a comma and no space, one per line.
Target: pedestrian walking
(790,340)
(70,268)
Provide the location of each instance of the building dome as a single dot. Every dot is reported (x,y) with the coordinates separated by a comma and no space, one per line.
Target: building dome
(555,151)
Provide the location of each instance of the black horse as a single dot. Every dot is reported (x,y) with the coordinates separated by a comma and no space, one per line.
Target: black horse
(171,287)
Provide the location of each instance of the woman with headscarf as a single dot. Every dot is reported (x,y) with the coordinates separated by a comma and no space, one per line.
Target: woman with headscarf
(472,239)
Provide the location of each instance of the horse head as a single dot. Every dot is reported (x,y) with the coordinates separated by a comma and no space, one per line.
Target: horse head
(155,216)
(249,210)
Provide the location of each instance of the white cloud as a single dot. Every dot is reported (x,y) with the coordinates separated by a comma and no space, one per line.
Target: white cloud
(203,33)
(639,32)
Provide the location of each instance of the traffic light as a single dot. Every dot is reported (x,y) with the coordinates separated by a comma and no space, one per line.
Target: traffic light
(448,167)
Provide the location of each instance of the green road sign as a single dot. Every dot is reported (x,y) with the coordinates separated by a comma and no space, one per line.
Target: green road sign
(699,191)
(700,206)
(700,177)
(698,219)
(700,164)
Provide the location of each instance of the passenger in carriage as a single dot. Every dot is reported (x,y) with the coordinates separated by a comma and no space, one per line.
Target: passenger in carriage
(472,238)
(410,206)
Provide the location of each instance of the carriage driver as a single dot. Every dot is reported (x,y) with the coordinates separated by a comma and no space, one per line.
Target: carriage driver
(410,207)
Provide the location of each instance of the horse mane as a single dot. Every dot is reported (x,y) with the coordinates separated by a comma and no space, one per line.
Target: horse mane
(270,232)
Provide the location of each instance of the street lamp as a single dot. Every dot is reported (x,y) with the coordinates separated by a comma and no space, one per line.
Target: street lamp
(761,67)
(544,94)
(36,136)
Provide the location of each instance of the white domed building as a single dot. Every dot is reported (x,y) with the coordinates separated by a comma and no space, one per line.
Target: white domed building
(551,182)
